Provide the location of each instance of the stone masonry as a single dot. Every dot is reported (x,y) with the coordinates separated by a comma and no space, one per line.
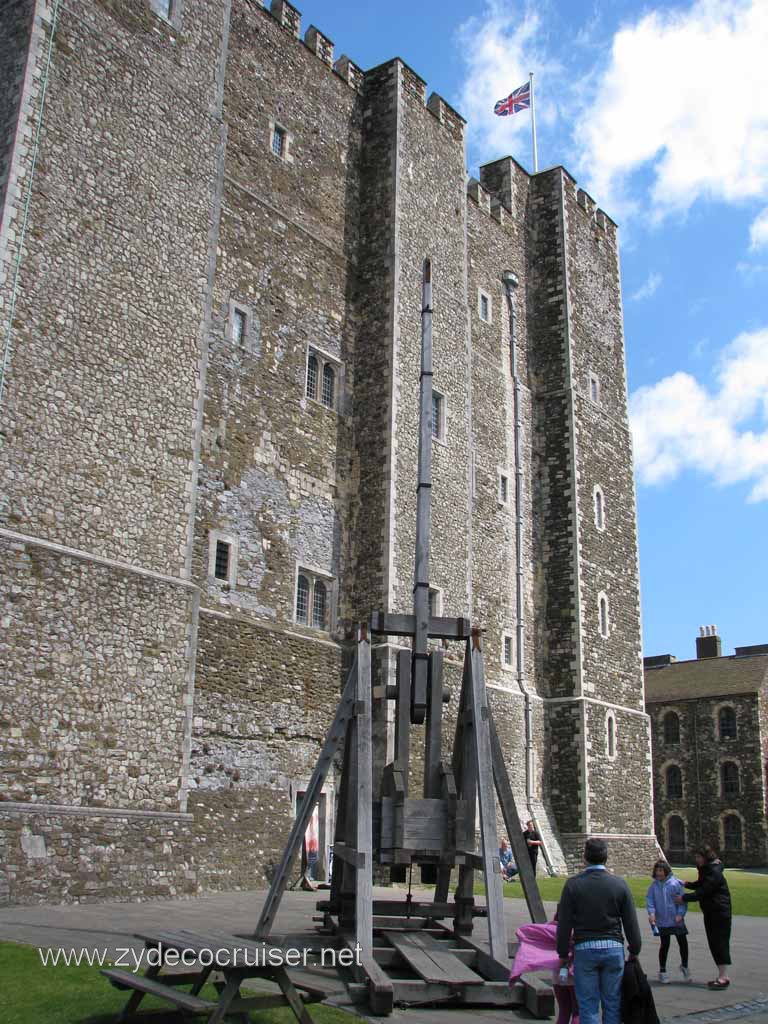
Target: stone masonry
(709,721)
(208,444)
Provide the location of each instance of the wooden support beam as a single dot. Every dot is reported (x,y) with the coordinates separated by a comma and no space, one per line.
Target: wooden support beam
(292,997)
(363,795)
(514,830)
(539,997)
(465,776)
(377,985)
(494,899)
(433,729)
(403,715)
(440,627)
(349,855)
(333,741)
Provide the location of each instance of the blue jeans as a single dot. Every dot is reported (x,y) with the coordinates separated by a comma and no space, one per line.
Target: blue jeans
(597,975)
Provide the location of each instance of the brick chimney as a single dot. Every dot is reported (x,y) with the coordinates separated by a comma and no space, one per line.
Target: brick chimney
(708,643)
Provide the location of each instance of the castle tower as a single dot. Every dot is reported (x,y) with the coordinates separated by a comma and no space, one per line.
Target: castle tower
(208,443)
(586,587)
(106,243)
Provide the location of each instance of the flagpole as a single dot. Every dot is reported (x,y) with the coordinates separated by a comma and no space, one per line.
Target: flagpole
(533,126)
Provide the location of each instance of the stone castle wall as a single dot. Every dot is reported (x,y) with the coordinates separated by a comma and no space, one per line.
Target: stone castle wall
(699,754)
(15,31)
(131,393)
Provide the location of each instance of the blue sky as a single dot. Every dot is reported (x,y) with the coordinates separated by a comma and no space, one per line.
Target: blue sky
(661,112)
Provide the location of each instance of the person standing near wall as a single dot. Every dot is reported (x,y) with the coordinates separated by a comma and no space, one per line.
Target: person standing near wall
(597,907)
(534,843)
(711,890)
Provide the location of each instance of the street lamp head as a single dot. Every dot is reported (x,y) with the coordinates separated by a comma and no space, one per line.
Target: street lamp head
(510,279)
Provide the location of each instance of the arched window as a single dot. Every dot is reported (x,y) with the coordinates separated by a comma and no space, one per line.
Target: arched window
(732,832)
(674,782)
(726,722)
(599,509)
(729,779)
(675,833)
(603,615)
(671,727)
(302,600)
(610,735)
(312,376)
(329,386)
(319,604)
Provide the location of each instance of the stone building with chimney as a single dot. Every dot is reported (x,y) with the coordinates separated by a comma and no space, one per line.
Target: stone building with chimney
(710,750)
(210,260)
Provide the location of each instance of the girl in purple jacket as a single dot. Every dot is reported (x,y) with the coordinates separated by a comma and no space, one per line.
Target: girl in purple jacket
(667,918)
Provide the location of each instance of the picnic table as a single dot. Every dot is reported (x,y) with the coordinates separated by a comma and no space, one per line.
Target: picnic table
(232,958)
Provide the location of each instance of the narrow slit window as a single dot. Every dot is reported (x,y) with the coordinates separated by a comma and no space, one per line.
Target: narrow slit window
(484,308)
(603,614)
(671,727)
(732,832)
(611,737)
(508,651)
(221,564)
(238,326)
(729,779)
(278,141)
(674,782)
(329,386)
(727,724)
(312,376)
(676,833)
(319,605)
(599,509)
(503,489)
(302,600)
(163,8)
(594,388)
(438,416)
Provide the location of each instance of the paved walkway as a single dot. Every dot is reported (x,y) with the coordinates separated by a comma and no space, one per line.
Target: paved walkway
(112,926)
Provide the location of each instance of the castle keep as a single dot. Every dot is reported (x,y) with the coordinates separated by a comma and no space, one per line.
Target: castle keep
(211,247)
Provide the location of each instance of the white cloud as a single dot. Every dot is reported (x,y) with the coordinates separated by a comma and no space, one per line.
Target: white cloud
(684,94)
(645,291)
(751,272)
(499,49)
(758,231)
(680,424)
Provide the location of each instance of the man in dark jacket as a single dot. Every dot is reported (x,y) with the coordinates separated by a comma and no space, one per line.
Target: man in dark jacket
(598,909)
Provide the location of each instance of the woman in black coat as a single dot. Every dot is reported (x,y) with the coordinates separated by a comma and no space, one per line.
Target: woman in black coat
(711,890)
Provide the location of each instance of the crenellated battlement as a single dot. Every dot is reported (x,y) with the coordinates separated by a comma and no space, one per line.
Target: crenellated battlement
(585,202)
(289,18)
(350,72)
(479,195)
(446,115)
(320,45)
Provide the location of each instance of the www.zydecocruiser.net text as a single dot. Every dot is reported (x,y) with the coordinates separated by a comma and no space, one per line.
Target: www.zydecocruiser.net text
(160,956)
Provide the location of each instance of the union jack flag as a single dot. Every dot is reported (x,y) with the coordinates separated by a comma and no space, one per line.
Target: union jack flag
(520,99)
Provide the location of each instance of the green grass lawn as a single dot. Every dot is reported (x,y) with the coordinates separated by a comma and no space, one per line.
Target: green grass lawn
(80,995)
(749,890)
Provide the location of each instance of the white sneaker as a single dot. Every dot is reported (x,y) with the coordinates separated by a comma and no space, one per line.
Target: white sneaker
(686,973)
(663,977)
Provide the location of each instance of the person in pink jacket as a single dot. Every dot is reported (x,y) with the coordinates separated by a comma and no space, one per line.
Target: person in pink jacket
(537,951)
